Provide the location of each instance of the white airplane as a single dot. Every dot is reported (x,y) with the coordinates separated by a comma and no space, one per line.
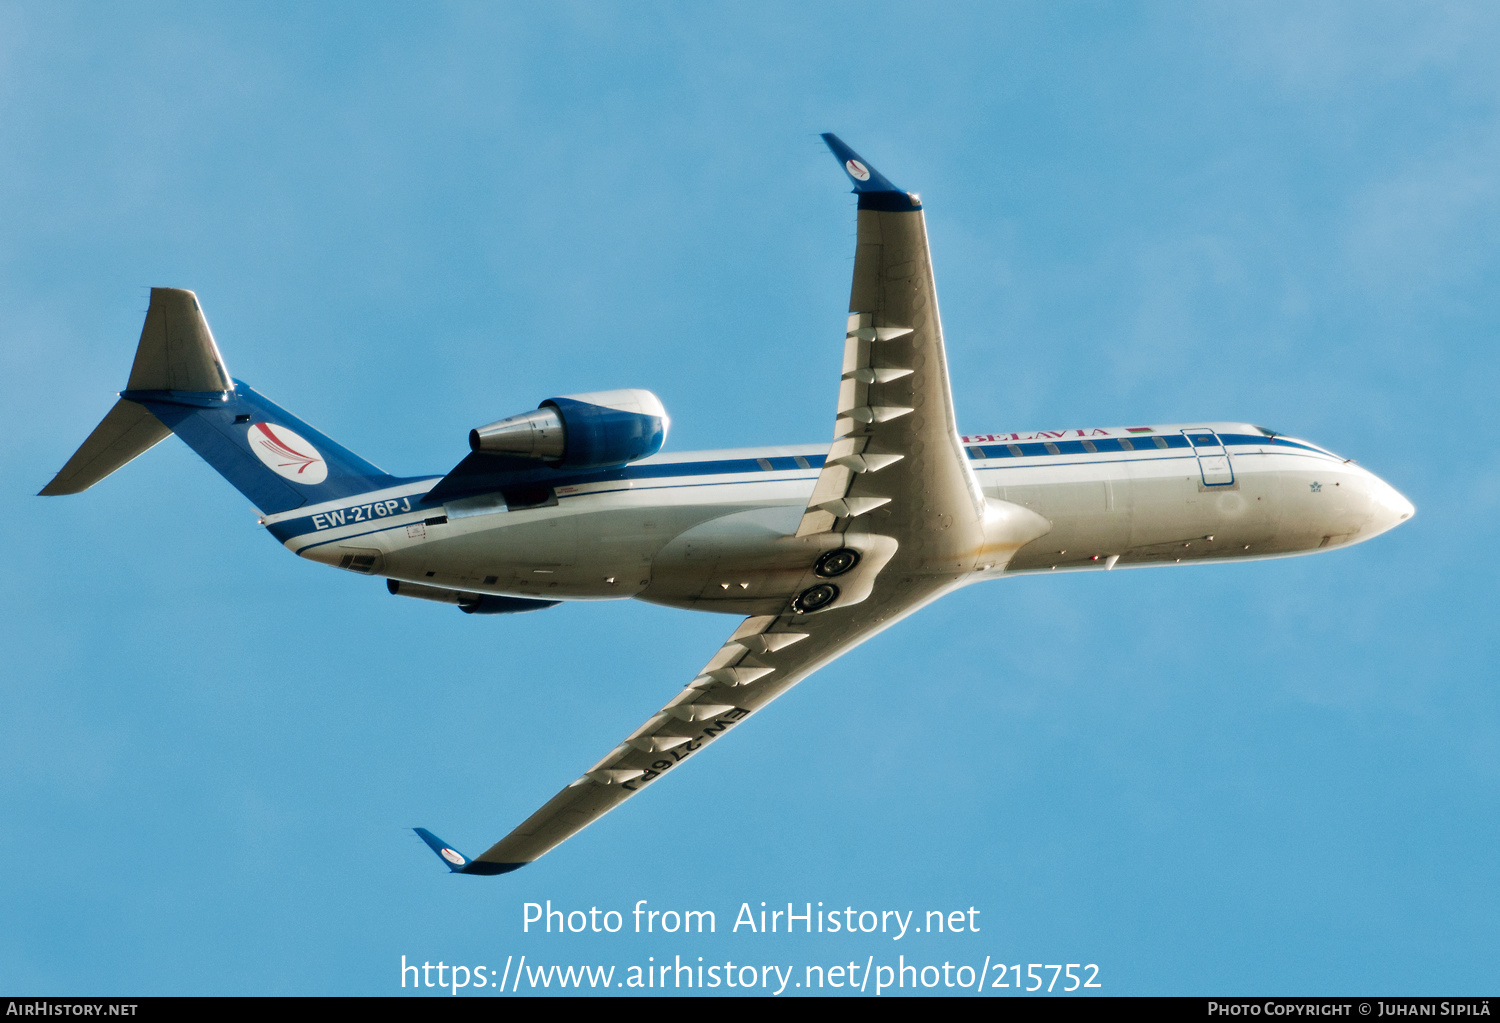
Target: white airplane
(821,546)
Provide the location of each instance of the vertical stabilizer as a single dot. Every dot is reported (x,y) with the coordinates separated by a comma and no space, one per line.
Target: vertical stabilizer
(179,384)
(177,350)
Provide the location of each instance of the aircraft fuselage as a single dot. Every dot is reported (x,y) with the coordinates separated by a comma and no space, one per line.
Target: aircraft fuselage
(708,530)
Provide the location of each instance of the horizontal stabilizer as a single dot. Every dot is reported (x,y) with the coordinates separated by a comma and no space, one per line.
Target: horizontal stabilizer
(129,430)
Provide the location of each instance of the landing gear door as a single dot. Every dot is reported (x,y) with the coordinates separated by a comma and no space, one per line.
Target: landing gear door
(1213,458)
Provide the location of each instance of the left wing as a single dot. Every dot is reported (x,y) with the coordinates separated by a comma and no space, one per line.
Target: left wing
(765,657)
(896,519)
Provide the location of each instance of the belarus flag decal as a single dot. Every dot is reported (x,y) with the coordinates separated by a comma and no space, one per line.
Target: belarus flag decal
(286,454)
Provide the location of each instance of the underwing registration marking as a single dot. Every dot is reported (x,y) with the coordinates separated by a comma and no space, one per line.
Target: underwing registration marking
(680,753)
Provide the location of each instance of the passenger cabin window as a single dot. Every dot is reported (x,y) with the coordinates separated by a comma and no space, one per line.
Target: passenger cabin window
(976,452)
(801,462)
(1014,449)
(1051,448)
(1088,446)
(1127,444)
(1160,442)
(764,463)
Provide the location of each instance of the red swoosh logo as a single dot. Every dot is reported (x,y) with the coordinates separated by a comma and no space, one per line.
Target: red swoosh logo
(275,443)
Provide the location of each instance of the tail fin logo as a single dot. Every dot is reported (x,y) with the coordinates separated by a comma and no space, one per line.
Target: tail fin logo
(857,170)
(452,857)
(286,454)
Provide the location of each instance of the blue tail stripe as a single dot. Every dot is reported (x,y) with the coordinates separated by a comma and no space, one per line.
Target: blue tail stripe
(217,425)
(207,431)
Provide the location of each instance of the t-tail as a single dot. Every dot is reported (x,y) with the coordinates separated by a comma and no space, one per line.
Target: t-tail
(179,384)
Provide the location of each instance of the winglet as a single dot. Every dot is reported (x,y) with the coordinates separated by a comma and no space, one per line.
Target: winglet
(873,188)
(458,862)
(455,860)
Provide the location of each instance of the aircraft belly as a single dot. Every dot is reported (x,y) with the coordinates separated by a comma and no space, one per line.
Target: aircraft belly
(1173,519)
(556,553)
(747,562)
(1152,512)
(1085,516)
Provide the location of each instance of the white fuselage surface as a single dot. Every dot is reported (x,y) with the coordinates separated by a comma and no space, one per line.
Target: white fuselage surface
(700,529)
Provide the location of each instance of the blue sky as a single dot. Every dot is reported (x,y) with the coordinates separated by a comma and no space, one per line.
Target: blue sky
(405,221)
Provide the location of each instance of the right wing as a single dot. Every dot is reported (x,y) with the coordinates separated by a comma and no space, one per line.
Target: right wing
(896,519)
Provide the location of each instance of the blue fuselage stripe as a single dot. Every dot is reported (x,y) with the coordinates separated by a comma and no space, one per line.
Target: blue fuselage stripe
(1143,448)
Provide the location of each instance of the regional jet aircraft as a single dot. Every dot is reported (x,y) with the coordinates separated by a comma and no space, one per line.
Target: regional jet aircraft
(819,546)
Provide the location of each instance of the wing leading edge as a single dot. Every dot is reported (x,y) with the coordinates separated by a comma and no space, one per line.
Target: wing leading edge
(896,513)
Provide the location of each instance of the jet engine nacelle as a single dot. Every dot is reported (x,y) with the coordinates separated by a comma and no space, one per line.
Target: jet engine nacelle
(581,431)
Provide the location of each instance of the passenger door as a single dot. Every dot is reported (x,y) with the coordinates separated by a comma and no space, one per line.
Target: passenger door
(1213,457)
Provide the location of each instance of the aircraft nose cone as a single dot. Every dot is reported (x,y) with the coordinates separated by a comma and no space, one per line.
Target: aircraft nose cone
(1389,508)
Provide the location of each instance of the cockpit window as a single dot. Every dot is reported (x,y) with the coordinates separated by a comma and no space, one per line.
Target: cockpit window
(1269,433)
